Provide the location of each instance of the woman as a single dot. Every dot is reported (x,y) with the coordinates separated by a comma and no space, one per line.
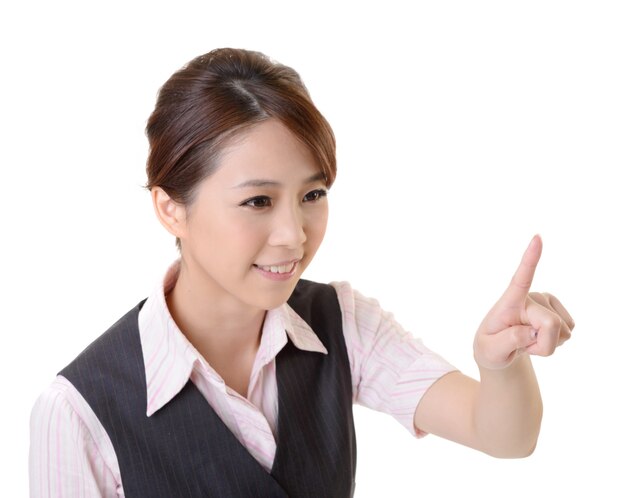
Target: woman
(236,377)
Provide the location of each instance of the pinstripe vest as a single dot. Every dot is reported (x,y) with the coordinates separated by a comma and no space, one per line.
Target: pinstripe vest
(185,450)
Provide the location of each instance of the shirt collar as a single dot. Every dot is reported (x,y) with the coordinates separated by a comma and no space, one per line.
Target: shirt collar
(169,358)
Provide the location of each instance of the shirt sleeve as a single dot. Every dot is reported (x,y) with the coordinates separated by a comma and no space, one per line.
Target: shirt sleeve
(71,454)
(391,369)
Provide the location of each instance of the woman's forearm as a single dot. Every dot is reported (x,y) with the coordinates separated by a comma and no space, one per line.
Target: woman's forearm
(508,409)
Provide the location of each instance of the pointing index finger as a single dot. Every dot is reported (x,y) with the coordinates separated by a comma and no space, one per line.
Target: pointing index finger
(523,277)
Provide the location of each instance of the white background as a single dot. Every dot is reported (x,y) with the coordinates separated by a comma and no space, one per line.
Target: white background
(463,128)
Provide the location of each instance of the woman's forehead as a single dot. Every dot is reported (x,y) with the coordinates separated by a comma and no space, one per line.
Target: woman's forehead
(265,151)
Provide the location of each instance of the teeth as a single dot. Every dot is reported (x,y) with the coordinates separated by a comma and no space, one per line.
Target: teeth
(278,269)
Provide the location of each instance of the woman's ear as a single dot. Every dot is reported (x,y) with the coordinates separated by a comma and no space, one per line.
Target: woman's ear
(170,213)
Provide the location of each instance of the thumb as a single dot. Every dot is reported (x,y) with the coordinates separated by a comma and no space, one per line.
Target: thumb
(496,351)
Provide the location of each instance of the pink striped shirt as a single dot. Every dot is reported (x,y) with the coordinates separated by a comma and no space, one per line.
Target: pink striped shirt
(71,454)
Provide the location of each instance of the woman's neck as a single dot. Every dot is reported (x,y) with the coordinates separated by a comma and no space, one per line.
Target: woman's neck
(215,322)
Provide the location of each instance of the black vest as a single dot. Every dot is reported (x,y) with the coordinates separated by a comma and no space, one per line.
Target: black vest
(185,450)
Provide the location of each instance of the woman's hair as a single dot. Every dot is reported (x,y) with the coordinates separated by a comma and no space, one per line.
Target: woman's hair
(213,98)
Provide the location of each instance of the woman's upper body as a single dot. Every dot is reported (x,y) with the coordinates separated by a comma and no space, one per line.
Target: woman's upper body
(72,454)
(239,169)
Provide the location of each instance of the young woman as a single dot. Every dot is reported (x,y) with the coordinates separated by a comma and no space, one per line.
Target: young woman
(237,378)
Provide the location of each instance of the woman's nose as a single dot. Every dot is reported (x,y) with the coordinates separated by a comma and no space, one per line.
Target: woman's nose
(288,228)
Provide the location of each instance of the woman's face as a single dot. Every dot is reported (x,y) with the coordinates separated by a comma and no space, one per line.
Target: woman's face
(257,222)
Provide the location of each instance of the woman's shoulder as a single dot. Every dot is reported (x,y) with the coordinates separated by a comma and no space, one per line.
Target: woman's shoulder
(58,393)
(350,300)
(60,407)
(342,288)
(68,445)
(110,338)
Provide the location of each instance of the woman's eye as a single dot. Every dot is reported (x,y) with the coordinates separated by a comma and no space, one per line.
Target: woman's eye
(315,195)
(258,202)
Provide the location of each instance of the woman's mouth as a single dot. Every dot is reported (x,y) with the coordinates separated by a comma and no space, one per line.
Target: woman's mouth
(281,271)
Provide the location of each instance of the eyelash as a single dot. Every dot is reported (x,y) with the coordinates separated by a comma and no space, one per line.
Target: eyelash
(319,194)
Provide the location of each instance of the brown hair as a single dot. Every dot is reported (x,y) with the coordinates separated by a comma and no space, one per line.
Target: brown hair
(211,99)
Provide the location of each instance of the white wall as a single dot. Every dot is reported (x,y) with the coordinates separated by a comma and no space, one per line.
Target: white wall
(463,128)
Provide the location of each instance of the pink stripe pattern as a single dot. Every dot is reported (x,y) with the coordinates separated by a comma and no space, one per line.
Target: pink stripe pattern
(71,454)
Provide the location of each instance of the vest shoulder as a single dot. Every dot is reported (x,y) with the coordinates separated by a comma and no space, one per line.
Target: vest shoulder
(309,293)
(309,286)
(109,341)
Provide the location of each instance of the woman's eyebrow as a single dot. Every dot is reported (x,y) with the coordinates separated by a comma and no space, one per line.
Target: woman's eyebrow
(258,182)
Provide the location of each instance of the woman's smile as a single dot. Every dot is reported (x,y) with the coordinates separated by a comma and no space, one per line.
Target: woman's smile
(279,272)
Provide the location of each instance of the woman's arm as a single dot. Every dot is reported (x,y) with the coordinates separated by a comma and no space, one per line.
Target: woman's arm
(501,414)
